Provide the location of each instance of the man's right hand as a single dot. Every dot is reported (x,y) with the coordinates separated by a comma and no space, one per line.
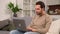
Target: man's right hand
(29,28)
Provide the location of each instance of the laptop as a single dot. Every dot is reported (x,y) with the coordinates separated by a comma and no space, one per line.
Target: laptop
(19,24)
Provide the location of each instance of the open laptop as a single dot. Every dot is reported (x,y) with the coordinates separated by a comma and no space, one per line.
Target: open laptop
(19,24)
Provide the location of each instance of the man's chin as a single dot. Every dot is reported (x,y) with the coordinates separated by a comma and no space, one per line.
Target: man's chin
(38,13)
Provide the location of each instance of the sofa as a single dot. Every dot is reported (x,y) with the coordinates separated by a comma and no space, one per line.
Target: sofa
(28,21)
(55,26)
(3,24)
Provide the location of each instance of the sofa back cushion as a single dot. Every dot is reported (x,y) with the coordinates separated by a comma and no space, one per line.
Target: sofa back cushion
(3,23)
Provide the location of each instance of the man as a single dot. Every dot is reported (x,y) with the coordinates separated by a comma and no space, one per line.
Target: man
(40,23)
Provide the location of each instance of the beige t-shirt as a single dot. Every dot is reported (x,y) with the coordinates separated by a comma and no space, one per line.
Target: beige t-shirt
(41,23)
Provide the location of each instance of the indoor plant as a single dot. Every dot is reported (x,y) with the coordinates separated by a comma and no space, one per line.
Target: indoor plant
(14,9)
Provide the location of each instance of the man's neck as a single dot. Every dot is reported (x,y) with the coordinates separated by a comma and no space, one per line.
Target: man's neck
(43,13)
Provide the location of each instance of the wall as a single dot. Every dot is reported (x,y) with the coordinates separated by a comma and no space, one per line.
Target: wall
(52,2)
(4,13)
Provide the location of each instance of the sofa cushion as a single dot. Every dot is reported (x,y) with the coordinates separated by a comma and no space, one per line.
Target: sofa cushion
(4,32)
(3,23)
(54,28)
(55,17)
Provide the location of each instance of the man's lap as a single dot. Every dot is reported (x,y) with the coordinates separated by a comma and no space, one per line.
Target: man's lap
(18,32)
(15,32)
(31,33)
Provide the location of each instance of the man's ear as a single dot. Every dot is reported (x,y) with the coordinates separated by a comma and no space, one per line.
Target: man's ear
(43,9)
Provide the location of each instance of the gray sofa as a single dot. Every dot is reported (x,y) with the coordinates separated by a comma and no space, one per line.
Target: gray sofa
(2,25)
(27,22)
(4,32)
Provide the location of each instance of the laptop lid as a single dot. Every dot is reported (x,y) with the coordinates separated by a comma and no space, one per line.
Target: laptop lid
(19,24)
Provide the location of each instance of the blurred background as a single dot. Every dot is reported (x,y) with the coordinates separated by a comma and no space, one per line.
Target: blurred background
(25,9)
(28,7)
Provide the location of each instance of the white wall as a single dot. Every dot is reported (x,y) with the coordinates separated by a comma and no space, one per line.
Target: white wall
(4,14)
(20,4)
(52,2)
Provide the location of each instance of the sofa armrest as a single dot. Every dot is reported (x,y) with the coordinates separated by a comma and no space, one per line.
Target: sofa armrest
(54,28)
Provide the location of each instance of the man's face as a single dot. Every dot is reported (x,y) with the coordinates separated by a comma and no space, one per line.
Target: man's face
(38,9)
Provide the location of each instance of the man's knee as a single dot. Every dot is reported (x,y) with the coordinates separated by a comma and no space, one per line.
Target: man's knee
(13,31)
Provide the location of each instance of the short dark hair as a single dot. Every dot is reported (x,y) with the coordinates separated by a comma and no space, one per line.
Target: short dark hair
(41,4)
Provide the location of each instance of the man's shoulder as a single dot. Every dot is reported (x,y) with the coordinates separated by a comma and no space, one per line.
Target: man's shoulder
(47,15)
(33,16)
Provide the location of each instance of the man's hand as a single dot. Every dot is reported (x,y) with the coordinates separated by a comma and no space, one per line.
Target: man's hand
(29,28)
(34,30)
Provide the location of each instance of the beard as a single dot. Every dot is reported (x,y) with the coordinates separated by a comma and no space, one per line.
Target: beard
(39,13)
